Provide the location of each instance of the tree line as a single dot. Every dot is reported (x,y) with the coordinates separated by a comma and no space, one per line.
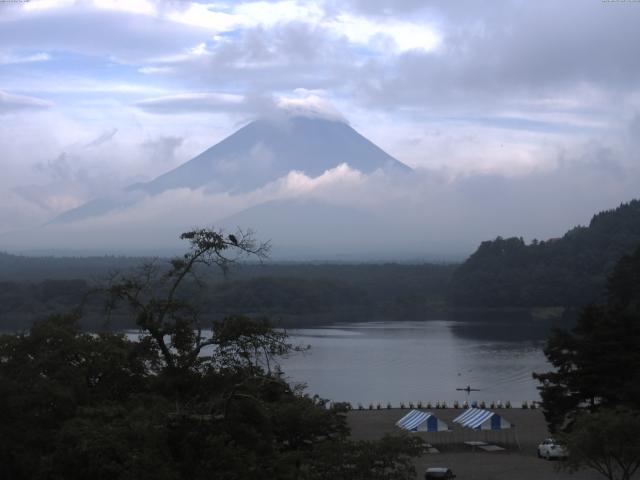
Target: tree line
(291,294)
(569,271)
(591,398)
(506,272)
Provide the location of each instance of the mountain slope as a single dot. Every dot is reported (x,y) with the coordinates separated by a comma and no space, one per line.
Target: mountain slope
(259,153)
(266,150)
(569,271)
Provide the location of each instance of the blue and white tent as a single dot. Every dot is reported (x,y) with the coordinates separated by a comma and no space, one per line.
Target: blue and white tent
(419,421)
(479,419)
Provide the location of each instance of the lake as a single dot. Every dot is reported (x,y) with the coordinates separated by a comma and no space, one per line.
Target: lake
(419,361)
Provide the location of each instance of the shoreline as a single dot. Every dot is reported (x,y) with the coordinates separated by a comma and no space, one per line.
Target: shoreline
(530,426)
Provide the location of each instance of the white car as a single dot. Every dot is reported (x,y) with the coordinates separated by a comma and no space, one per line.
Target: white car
(549,449)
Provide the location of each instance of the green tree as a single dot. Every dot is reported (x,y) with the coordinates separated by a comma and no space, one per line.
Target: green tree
(570,271)
(188,400)
(389,458)
(606,441)
(597,363)
(154,293)
(51,374)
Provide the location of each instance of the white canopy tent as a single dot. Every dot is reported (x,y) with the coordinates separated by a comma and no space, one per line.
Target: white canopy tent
(419,421)
(479,419)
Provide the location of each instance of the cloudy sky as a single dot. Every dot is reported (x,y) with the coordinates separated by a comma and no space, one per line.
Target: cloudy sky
(535,105)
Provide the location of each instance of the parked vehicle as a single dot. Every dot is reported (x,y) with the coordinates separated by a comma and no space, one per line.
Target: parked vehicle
(549,449)
(438,472)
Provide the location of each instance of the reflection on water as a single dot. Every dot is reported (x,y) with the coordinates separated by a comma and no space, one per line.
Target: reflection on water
(419,361)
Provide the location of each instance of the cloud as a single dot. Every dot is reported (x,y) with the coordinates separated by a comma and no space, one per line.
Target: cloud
(8,59)
(302,102)
(500,56)
(58,168)
(85,170)
(429,214)
(163,149)
(17,215)
(83,28)
(503,107)
(193,102)
(263,60)
(310,103)
(103,138)
(387,35)
(12,103)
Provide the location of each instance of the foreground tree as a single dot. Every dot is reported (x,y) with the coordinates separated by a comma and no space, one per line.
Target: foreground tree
(188,400)
(154,293)
(597,363)
(606,441)
(389,458)
(54,380)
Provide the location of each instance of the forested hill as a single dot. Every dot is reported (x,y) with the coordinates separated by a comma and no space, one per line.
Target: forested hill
(567,271)
(20,268)
(290,294)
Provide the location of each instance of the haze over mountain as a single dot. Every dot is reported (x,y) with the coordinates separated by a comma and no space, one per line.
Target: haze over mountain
(309,182)
(259,153)
(350,231)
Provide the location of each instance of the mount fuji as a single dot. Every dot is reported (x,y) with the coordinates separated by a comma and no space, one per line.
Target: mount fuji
(259,153)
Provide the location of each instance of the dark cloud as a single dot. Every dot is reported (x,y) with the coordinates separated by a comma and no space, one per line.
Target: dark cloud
(284,57)
(527,49)
(500,57)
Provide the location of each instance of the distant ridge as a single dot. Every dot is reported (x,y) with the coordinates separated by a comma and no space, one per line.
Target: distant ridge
(567,271)
(258,153)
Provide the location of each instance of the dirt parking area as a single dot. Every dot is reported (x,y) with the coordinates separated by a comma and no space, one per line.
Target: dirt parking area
(518,461)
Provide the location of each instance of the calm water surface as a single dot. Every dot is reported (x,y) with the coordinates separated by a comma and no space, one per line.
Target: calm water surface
(418,361)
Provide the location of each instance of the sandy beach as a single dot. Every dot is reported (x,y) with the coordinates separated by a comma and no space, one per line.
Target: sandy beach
(517,461)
